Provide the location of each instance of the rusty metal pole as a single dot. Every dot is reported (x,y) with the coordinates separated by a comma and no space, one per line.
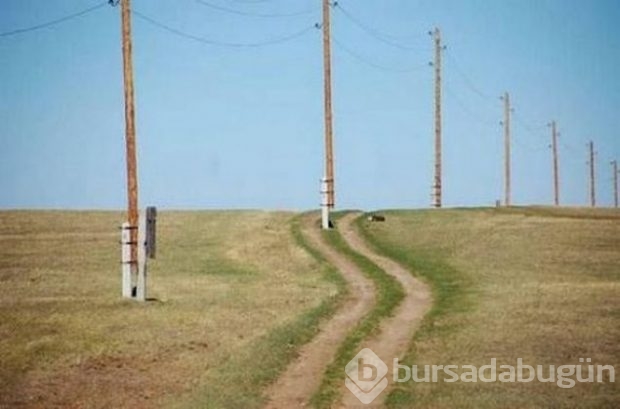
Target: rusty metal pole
(437,185)
(556,176)
(329,150)
(614,166)
(130,129)
(592,176)
(507,199)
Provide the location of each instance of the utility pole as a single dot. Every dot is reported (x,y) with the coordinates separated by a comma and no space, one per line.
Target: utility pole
(328,181)
(437,64)
(506,122)
(614,166)
(130,130)
(556,176)
(592,176)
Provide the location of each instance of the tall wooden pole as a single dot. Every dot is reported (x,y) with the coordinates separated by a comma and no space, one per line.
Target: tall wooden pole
(437,185)
(592,176)
(130,129)
(507,110)
(614,167)
(556,176)
(329,152)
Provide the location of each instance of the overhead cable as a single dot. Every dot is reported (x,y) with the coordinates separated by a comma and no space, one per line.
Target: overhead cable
(52,22)
(212,42)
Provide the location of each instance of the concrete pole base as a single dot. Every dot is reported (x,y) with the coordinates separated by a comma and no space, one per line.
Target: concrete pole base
(325,222)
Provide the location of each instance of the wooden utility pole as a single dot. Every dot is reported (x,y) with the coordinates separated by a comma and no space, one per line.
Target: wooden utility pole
(329,151)
(614,167)
(130,129)
(437,64)
(556,176)
(507,111)
(592,176)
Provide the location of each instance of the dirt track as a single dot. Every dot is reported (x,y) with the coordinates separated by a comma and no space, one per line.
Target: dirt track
(397,331)
(303,377)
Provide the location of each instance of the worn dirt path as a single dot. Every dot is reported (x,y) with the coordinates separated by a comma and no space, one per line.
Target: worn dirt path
(303,376)
(397,331)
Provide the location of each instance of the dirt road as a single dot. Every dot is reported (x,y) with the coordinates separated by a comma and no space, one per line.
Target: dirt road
(397,331)
(303,377)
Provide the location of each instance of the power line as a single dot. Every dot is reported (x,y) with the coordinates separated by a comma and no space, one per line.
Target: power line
(467,110)
(251,1)
(385,38)
(528,147)
(251,14)
(573,151)
(569,147)
(372,64)
(528,127)
(470,84)
(208,41)
(376,31)
(530,130)
(52,22)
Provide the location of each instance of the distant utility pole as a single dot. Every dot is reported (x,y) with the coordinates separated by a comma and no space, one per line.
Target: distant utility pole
(328,182)
(130,129)
(506,122)
(556,176)
(614,166)
(437,185)
(592,176)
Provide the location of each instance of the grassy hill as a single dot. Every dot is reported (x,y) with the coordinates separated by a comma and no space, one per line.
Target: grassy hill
(235,295)
(538,284)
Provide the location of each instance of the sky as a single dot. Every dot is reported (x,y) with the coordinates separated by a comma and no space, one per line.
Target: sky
(224,126)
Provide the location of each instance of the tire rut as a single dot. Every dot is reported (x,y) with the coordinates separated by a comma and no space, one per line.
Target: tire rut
(396,332)
(303,376)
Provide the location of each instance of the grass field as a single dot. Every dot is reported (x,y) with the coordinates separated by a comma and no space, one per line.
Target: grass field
(538,284)
(235,296)
(237,293)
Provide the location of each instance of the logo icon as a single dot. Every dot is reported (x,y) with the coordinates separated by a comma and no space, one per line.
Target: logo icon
(366,376)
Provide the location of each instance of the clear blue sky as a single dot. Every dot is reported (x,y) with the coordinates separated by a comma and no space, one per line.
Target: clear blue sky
(224,127)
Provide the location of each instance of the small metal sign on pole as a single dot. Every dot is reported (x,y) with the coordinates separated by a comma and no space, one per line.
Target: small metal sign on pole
(133,276)
(141,283)
(151,227)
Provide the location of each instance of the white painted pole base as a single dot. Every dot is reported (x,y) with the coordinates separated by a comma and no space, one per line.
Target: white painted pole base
(324,205)
(325,217)
(126,260)
(141,284)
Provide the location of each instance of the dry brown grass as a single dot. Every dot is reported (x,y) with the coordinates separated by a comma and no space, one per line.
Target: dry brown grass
(222,281)
(537,284)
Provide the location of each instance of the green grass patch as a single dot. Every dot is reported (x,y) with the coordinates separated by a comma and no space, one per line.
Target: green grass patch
(389,295)
(236,297)
(533,283)
(330,273)
(451,295)
(241,381)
